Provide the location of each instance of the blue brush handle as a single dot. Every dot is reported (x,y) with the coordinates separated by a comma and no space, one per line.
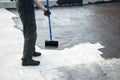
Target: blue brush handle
(50,30)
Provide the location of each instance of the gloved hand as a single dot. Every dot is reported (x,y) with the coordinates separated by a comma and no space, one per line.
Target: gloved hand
(47,13)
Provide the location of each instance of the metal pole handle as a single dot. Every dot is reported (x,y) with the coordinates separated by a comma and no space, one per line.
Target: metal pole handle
(49,20)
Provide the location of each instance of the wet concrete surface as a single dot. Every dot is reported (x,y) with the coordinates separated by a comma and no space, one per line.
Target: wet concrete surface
(80,24)
(106,70)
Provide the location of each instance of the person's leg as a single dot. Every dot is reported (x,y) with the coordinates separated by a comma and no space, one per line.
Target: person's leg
(29,30)
(27,16)
(32,30)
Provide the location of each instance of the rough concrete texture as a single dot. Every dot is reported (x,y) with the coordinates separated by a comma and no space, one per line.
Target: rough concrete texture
(104,70)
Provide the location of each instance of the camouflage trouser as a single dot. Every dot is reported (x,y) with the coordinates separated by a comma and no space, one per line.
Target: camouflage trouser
(26,12)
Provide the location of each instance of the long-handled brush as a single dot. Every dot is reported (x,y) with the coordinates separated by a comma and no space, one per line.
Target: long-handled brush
(50,43)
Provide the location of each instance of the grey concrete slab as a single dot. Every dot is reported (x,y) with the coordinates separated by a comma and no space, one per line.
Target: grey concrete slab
(105,70)
(7,5)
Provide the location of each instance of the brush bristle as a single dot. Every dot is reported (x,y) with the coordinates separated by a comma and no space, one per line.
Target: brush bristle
(51,43)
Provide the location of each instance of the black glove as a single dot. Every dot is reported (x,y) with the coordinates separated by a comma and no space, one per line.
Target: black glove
(47,13)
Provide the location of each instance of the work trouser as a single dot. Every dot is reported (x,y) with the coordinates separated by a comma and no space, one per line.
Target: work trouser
(26,12)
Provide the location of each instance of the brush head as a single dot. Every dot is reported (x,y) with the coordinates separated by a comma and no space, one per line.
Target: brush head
(51,43)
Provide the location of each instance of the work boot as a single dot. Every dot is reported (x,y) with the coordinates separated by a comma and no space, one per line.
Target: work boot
(30,62)
(36,54)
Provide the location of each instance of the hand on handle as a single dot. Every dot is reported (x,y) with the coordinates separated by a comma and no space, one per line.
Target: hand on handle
(47,13)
